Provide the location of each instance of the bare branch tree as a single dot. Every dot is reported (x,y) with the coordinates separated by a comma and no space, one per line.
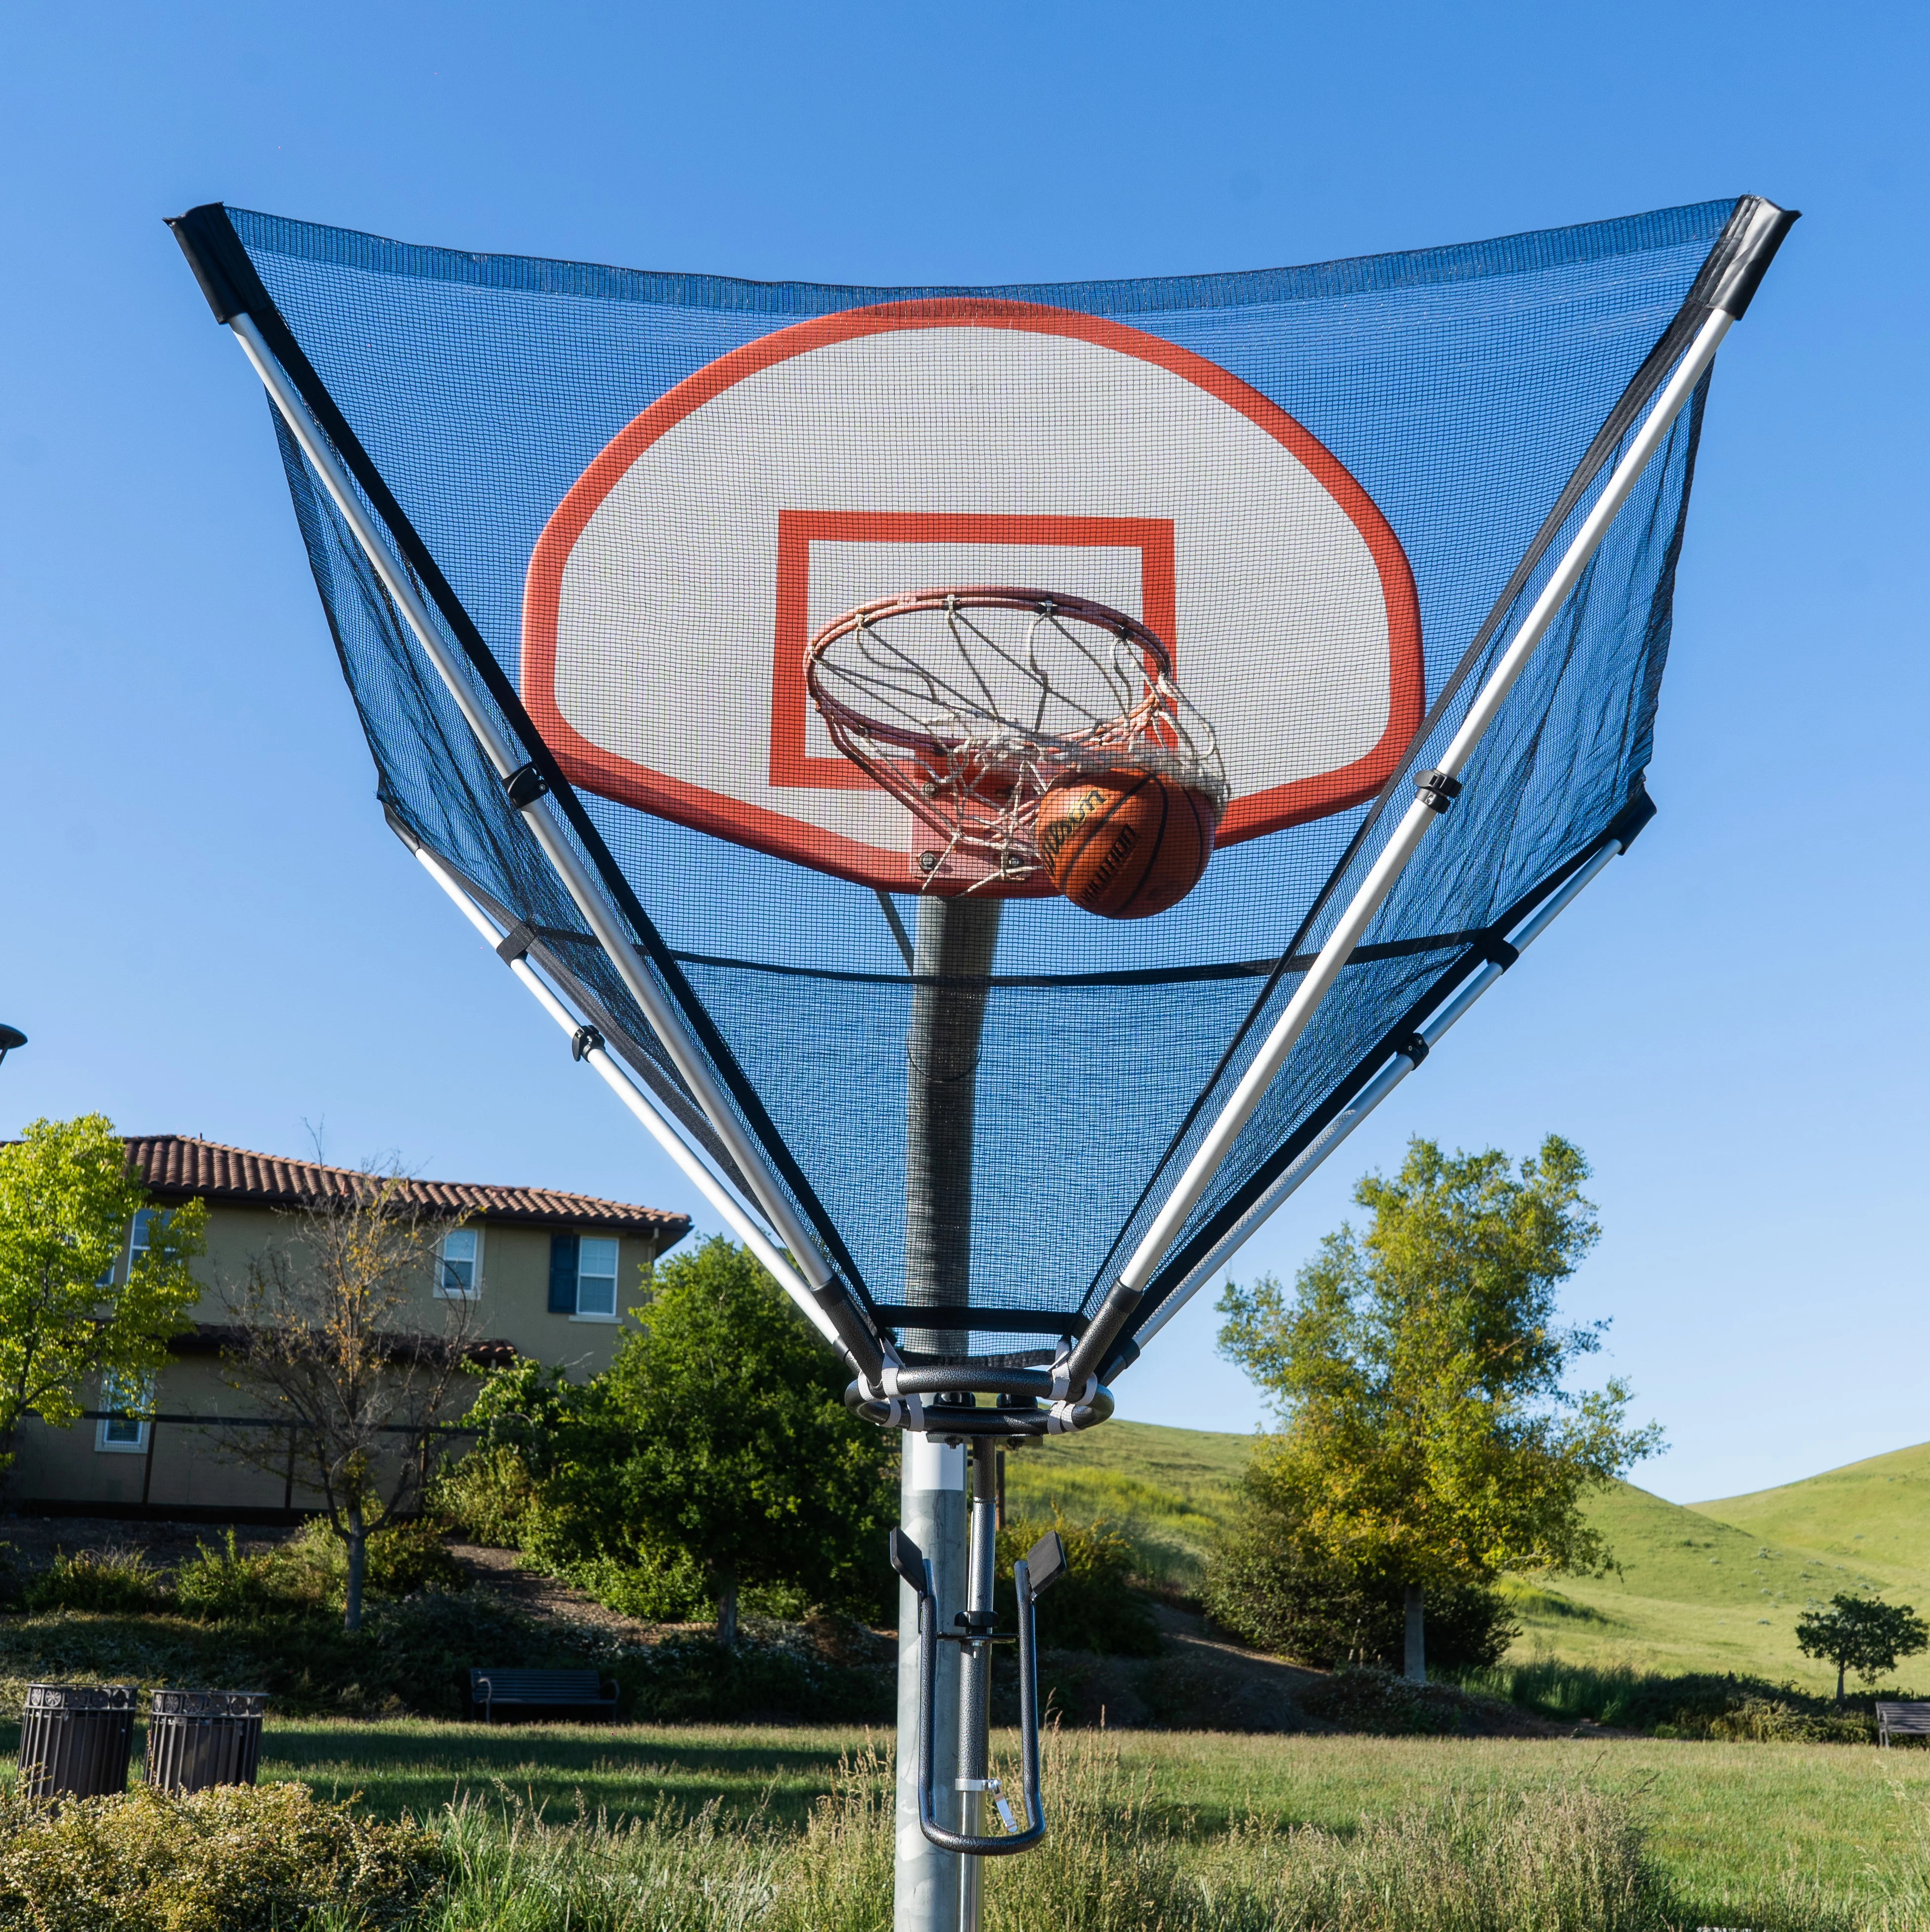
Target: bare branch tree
(329,1336)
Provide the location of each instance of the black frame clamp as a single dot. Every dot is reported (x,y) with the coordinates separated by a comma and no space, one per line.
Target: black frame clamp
(1435,790)
(525,785)
(585,1041)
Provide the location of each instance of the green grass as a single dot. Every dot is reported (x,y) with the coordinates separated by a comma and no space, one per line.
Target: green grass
(1169,1490)
(1714,1587)
(1718,1587)
(625,1771)
(1554,1853)
(1871,1517)
(1733,1826)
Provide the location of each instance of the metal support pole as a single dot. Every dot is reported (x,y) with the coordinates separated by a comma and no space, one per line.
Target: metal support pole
(952,956)
(1373,889)
(932,1507)
(975,1677)
(956,940)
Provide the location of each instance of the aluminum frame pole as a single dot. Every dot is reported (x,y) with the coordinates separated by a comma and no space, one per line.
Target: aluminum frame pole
(1394,857)
(1430,1034)
(643,1107)
(584,893)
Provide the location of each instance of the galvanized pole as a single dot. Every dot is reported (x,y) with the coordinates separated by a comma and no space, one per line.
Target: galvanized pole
(952,956)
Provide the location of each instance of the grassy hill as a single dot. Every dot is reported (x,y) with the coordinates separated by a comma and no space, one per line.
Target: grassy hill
(1716,1586)
(1872,1515)
(1168,1490)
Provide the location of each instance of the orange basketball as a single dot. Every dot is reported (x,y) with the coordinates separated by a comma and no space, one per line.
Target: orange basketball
(1125,844)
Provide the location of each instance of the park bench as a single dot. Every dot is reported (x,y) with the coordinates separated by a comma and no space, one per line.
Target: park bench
(559,1692)
(1902,1720)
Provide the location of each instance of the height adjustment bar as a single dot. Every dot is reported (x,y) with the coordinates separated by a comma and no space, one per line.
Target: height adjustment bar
(1033,1574)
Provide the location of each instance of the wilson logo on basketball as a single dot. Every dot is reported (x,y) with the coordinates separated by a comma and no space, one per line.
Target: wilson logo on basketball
(1127,843)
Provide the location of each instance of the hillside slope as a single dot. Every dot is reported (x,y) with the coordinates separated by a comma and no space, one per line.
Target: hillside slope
(1169,1489)
(1874,1515)
(1715,1586)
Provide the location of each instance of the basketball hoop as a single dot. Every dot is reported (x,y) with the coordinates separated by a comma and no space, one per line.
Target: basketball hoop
(969,704)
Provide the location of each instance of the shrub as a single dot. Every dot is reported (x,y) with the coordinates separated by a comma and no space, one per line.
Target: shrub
(405,1554)
(488,1494)
(110,1582)
(1385,1706)
(775,1674)
(666,1587)
(222,1585)
(1093,1607)
(1697,1704)
(1267,1586)
(236,1859)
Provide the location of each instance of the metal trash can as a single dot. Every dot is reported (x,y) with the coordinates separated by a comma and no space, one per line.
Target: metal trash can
(75,1739)
(197,1739)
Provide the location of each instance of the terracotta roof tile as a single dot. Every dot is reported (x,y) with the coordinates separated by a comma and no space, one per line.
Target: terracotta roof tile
(179,1164)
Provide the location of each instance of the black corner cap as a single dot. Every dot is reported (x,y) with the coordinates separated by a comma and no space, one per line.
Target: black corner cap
(220,262)
(398,824)
(1626,825)
(1045,1563)
(908,1560)
(1738,262)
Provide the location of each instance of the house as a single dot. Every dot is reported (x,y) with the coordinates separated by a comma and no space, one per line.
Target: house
(550,1274)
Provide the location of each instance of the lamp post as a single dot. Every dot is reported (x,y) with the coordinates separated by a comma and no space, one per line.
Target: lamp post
(10,1038)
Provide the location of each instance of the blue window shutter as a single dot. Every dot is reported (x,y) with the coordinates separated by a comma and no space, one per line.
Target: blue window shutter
(562,1274)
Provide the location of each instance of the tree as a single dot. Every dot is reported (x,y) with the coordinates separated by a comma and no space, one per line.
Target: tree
(716,1448)
(1417,1370)
(69,1201)
(327,1340)
(1275,1586)
(1860,1633)
(742,1451)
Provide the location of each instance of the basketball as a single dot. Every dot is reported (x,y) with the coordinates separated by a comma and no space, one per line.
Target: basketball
(1125,844)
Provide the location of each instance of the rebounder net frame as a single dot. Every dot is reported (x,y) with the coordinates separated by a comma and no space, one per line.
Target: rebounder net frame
(1557,776)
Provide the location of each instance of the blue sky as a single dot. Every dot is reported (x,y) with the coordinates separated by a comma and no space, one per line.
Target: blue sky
(208,929)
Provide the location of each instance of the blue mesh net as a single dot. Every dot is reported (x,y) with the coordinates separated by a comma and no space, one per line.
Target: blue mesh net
(1477,395)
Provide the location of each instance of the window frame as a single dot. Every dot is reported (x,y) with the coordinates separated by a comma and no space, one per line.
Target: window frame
(111,1386)
(614,1278)
(440,1288)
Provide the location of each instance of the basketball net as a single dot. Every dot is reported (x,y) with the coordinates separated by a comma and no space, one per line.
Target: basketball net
(968,705)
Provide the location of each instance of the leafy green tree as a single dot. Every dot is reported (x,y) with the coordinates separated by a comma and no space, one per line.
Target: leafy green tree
(742,1451)
(69,1308)
(716,1453)
(1418,1372)
(1860,1633)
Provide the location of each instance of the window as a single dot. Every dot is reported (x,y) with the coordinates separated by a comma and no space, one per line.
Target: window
(596,1278)
(460,1259)
(123,1429)
(137,1246)
(583,1276)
